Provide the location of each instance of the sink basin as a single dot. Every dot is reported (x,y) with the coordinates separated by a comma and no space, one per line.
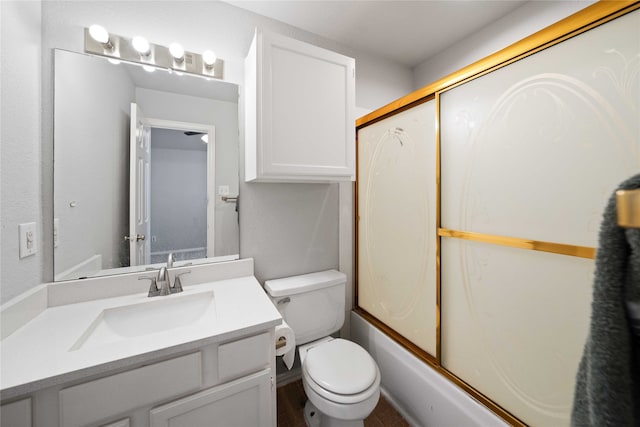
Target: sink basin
(152,316)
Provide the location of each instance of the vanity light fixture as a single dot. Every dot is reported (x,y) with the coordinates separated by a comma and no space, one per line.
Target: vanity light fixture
(141,45)
(209,58)
(177,51)
(138,50)
(101,35)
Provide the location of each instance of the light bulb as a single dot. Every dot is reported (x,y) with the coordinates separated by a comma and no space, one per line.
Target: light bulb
(148,68)
(209,58)
(141,45)
(176,51)
(99,34)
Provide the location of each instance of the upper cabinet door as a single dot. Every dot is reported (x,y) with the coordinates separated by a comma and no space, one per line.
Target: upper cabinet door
(299,112)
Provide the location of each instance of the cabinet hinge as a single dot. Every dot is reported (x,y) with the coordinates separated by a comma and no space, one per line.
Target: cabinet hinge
(273,383)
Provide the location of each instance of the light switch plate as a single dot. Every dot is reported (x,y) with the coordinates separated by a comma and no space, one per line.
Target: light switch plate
(223,190)
(28,239)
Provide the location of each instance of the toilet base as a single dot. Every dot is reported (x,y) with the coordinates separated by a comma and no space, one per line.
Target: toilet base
(314,418)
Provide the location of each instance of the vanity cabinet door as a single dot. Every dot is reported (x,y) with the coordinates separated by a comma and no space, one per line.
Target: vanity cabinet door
(244,402)
(106,398)
(299,112)
(16,413)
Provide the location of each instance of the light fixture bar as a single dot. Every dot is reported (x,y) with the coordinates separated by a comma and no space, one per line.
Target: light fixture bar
(159,56)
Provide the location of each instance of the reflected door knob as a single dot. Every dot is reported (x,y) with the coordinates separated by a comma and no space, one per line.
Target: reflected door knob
(134,238)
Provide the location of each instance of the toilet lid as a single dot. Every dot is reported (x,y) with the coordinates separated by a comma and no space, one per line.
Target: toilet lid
(341,367)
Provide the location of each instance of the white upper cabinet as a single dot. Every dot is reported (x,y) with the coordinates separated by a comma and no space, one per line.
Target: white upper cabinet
(299,112)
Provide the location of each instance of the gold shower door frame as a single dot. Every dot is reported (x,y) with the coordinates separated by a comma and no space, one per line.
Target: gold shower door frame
(582,21)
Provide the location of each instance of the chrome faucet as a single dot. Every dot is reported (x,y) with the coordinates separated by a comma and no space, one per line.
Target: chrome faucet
(177,282)
(161,285)
(164,282)
(153,289)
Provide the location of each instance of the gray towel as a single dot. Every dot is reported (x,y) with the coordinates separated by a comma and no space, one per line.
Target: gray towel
(607,391)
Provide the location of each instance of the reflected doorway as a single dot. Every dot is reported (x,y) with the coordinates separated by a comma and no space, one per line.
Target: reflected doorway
(178,196)
(172,192)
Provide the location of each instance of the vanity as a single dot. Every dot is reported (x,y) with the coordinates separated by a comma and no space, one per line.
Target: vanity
(100,352)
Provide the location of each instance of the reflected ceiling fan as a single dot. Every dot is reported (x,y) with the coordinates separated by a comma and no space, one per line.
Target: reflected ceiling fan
(204,137)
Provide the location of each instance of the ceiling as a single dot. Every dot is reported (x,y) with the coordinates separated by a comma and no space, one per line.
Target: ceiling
(405,32)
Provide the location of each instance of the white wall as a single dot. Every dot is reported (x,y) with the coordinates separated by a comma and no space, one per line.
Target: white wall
(91,160)
(27,168)
(527,19)
(178,195)
(20,163)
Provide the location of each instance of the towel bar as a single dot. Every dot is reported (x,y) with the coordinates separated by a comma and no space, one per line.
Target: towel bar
(229,199)
(628,206)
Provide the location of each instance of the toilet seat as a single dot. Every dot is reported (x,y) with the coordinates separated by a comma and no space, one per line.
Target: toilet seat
(341,371)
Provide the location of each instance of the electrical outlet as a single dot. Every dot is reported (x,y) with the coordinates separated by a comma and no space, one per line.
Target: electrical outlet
(28,239)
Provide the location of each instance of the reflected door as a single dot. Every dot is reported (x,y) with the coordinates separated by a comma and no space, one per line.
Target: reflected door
(139,194)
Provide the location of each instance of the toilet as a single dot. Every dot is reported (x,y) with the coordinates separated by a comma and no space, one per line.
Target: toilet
(341,380)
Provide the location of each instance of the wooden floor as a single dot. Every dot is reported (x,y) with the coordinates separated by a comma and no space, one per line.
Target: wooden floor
(291,400)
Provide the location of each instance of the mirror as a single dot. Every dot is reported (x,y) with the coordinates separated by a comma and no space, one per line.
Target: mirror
(145,164)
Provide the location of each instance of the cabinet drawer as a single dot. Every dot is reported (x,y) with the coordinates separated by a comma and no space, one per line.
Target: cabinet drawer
(244,402)
(110,396)
(243,356)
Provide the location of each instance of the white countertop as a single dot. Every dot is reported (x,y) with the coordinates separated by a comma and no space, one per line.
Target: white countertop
(39,354)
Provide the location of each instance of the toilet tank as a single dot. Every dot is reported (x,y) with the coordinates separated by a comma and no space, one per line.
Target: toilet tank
(311,304)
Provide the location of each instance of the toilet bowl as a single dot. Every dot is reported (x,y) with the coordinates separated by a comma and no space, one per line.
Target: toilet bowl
(341,380)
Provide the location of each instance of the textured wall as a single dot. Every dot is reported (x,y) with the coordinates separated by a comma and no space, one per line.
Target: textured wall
(20,56)
(531,17)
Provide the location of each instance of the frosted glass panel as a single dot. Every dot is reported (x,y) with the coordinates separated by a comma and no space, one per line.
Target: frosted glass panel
(514,325)
(534,149)
(396,228)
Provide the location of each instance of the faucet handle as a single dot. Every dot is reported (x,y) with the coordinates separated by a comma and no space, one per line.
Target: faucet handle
(177,282)
(164,281)
(170,260)
(153,289)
